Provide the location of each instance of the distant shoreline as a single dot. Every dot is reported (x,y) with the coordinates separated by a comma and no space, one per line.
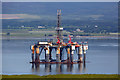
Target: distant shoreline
(78,37)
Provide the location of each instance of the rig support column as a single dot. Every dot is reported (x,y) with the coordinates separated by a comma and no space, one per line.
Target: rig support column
(33,57)
(80,52)
(47,54)
(61,49)
(58,55)
(84,52)
(33,50)
(50,55)
(72,52)
(37,55)
(68,54)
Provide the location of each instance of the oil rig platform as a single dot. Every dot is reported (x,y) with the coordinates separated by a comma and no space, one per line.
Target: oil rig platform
(59,46)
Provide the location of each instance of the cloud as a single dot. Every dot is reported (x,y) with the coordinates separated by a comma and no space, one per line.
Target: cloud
(19,16)
(95,16)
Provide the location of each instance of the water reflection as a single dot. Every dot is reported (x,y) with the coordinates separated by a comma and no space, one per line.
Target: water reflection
(47,67)
(69,67)
(35,67)
(59,68)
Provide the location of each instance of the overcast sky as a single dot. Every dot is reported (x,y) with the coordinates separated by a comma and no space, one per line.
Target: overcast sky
(59,0)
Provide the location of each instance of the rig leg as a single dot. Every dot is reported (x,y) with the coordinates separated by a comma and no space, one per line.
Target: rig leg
(47,51)
(61,54)
(80,52)
(50,55)
(33,57)
(85,48)
(33,51)
(47,58)
(68,55)
(58,55)
(37,55)
(72,52)
(71,56)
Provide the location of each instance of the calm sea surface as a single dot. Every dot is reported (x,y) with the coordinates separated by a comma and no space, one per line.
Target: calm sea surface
(101,58)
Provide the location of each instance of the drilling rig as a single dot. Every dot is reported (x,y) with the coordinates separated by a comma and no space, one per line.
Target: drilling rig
(71,47)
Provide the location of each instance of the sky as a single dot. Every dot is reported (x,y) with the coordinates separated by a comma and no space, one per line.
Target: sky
(60,0)
(11,12)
